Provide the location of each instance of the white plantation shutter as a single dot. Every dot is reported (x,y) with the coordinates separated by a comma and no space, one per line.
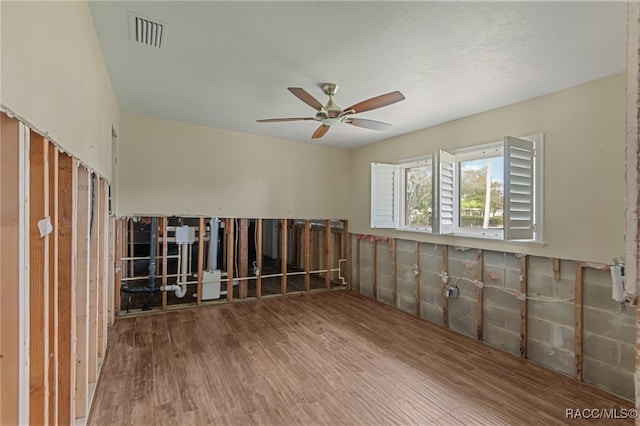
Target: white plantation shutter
(444,201)
(518,188)
(383,185)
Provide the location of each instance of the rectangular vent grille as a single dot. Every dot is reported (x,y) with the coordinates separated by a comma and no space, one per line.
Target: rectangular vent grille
(146,31)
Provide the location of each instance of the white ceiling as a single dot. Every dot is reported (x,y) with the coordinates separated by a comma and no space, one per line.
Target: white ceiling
(226,64)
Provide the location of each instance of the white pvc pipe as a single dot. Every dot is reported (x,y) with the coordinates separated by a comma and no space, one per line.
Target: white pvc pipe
(212,263)
(180,290)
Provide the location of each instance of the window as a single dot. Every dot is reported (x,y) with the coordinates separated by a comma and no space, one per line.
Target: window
(488,191)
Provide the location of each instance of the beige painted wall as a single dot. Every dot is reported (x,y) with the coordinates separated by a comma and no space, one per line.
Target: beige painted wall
(54,77)
(170,167)
(584,130)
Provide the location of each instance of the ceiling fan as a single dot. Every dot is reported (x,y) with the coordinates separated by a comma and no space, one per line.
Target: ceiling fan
(331,114)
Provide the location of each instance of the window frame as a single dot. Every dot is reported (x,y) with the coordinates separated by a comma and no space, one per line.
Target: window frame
(401,169)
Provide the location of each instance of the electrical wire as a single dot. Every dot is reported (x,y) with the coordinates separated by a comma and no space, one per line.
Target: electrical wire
(517,294)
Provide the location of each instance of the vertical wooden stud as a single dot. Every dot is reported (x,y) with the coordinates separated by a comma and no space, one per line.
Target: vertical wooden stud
(445,299)
(259,257)
(556,269)
(315,243)
(480,297)
(38,282)
(66,288)
(283,251)
(82,353)
(374,268)
(165,249)
(307,255)
(94,282)
(103,273)
(394,279)
(524,267)
(346,252)
(416,250)
(243,256)
(230,249)
(578,317)
(118,266)
(201,231)
(327,253)
(111,270)
(53,284)
(358,283)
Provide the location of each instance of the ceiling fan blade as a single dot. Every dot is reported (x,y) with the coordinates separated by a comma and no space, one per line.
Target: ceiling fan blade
(320,131)
(305,97)
(368,124)
(377,102)
(278,120)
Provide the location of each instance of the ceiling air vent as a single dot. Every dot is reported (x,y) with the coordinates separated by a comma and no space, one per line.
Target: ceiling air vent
(147,31)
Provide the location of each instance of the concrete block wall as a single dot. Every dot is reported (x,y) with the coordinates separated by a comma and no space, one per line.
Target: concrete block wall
(608,333)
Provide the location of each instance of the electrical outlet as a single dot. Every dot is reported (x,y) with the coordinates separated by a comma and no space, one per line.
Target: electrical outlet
(452,292)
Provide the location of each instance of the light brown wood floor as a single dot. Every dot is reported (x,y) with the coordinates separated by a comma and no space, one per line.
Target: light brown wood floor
(324,358)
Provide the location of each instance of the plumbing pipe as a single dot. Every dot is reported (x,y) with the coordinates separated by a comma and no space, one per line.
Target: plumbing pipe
(152,252)
(180,290)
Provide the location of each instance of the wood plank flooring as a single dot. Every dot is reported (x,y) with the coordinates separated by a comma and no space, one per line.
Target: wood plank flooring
(333,358)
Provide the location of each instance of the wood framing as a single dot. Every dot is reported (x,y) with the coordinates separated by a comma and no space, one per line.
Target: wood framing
(416,249)
(524,267)
(66,288)
(445,282)
(578,321)
(358,283)
(230,249)
(131,241)
(94,278)
(10,277)
(111,270)
(243,256)
(346,250)
(259,257)
(201,231)
(480,296)
(394,268)
(38,281)
(327,253)
(53,284)
(307,255)
(165,248)
(315,248)
(118,266)
(283,254)
(374,273)
(556,269)
(101,213)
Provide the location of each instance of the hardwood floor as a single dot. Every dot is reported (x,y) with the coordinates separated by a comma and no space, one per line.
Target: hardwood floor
(324,358)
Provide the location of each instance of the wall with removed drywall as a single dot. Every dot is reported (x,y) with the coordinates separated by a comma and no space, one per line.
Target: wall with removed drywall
(411,278)
(584,143)
(175,168)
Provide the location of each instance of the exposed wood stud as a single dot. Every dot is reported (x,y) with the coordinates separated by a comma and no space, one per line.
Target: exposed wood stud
(524,267)
(111,270)
(556,269)
(416,249)
(374,267)
(346,241)
(243,256)
(327,253)
(445,299)
(165,249)
(230,249)
(84,336)
(315,242)
(358,283)
(259,257)
(94,253)
(201,231)
(283,253)
(118,267)
(307,254)
(394,279)
(103,250)
(578,320)
(53,284)
(38,282)
(296,246)
(480,295)
(66,288)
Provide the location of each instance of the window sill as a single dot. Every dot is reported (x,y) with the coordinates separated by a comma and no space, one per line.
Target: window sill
(475,236)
